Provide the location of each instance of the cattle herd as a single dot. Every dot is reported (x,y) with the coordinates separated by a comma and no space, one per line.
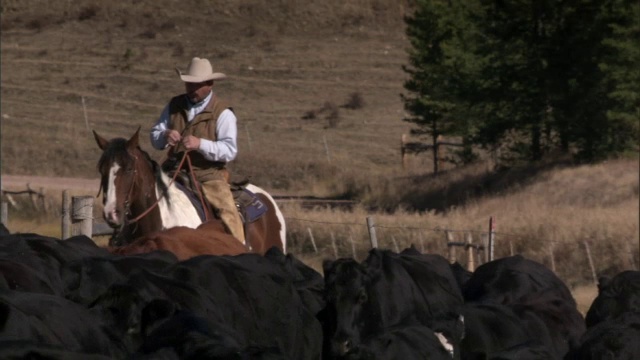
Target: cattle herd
(74,300)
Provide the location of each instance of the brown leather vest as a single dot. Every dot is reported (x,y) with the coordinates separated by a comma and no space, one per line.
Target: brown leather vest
(202,126)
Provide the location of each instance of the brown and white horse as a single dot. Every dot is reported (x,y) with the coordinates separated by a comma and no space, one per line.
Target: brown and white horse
(140,199)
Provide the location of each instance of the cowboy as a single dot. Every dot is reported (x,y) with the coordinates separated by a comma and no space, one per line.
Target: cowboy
(204,125)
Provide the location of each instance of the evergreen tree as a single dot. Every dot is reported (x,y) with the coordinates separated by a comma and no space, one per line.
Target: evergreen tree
(518,90)
(620,64)
(439,60)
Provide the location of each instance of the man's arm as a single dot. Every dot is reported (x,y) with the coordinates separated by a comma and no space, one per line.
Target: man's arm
(157,134)
(225,148)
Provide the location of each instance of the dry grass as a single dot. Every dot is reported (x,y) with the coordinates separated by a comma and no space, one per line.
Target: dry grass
(554,212)
(287,61)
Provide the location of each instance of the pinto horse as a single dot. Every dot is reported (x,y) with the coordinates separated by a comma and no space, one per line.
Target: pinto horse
(139,199)
(210,238)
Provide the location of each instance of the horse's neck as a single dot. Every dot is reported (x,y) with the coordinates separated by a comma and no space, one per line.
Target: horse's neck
(175,207)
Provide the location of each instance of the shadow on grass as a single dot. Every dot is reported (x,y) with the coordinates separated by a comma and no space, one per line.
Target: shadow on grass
(457,187)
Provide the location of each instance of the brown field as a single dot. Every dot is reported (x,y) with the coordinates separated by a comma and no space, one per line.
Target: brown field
(295,71)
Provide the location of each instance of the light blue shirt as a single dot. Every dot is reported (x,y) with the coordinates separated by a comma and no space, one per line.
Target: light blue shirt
(224,149)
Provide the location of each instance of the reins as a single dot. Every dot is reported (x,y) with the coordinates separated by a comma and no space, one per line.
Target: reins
(177,171)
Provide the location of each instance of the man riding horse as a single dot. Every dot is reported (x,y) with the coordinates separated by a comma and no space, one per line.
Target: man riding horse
(204,126)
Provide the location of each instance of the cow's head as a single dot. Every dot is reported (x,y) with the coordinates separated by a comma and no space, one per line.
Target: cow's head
(350,313)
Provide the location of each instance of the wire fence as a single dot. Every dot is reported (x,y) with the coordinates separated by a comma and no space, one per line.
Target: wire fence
(581,261)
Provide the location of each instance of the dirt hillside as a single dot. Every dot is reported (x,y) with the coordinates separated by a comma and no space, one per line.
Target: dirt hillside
(294,68)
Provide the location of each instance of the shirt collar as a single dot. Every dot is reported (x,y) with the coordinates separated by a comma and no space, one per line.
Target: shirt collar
(203,103)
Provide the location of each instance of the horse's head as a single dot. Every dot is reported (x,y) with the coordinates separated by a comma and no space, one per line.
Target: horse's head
(120,182)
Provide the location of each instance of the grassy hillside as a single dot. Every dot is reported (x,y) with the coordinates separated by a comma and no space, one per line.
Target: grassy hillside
(315,85)
(292,67)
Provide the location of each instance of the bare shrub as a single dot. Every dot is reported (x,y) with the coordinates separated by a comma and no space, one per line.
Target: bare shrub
(168,25)
(36,23)
(148,34)
(354,102)
(178,50)
(6,25)
(87,13)
(333,114)
(309,115)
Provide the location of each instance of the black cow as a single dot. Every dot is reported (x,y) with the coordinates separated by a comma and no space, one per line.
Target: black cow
(530,289)
(3,230)
(386,290)
(55,321)
(264,299)
(614,338)
(507,279)
(32,262)
(563,321)
(616,295)
(30,349)
(461,274)
(526,351)
(493,328)
(84,280)
(256,296)
(403,343)
(190,336)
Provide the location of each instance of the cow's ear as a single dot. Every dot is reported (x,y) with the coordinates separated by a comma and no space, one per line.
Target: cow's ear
(603,282)
(327,266)
(373,264)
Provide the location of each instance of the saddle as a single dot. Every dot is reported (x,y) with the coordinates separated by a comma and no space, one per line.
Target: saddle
(249,206)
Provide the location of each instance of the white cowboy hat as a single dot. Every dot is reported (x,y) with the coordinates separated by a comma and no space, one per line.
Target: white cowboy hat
(199,70)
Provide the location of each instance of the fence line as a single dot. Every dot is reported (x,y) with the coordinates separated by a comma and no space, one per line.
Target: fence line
(77,219)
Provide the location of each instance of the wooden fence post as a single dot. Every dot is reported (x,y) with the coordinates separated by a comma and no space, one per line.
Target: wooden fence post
(492,235)
(334,246)
(553,258)
(326,148)
(353,246)
(451,247)
(372,232)
(629,257)
(66,215)
(34,204)
(593,269)
(471,266)
(403,152)
(4,213)
(313,241)
(395,243)
(82,215)
(485,247)
(511,248)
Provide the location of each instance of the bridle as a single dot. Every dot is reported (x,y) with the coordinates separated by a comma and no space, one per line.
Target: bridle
(127,201)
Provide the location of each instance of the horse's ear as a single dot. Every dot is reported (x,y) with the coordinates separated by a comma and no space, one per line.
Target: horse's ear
(134,141)
(102,142)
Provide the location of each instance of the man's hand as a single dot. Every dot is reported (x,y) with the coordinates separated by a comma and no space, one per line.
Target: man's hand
(173,137)
(191,142)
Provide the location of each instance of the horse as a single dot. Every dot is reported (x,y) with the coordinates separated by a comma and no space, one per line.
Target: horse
(139,199)
(209,238)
